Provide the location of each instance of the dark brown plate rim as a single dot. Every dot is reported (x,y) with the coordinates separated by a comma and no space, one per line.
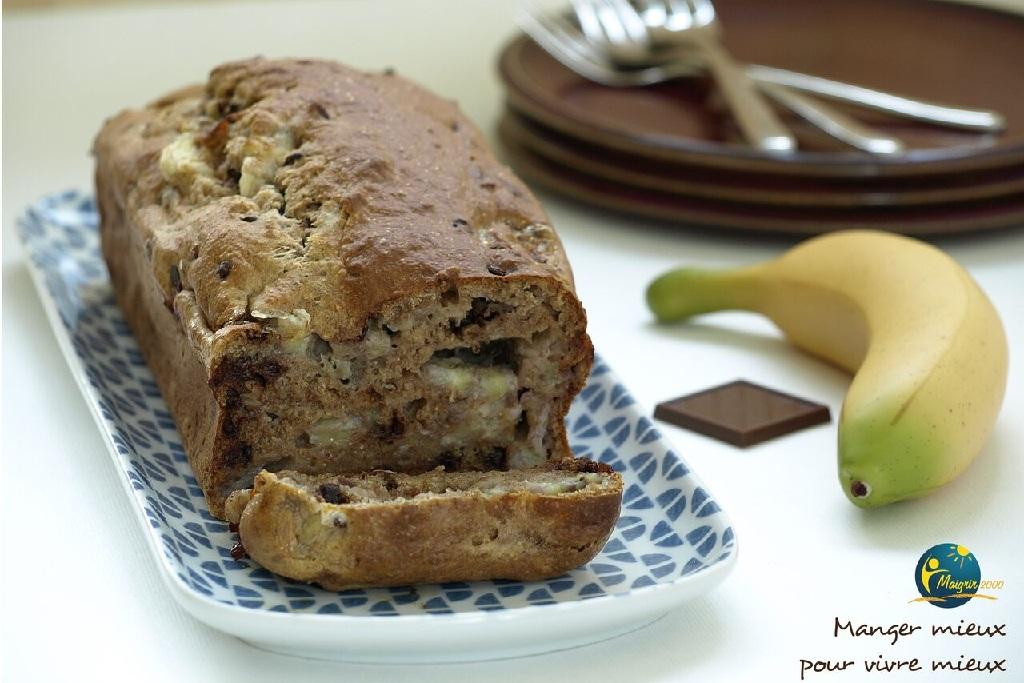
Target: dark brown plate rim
(655,174)
(706,213)
(919,161)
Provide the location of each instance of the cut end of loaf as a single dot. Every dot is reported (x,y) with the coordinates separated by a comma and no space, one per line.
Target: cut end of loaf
(470,378)
(344,531)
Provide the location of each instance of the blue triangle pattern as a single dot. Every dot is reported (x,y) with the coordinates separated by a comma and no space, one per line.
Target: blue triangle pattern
(510,590)
(634,499)
(698,498)
(619,437)
(196,581)
(669,541)
(487,600)
(704,548)
(672,468)
(382,607)
(611,458)
(354,601)
(620,398)
(585,428)
(631,527)
(709,508)
(622,557)
(260,573)
(216,576)
(645,466)
(267,584)
(632,493)
(437,603)
(613,579)
(664,536)
(652,559)
(646,432)
(677,508)
(663,570)
(670,497)
(614,546)
(405,598)
(643,582)
(695,536)
(694,565)
(614,424)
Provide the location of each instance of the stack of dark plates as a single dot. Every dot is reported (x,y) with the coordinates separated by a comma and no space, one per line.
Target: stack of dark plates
(671,151)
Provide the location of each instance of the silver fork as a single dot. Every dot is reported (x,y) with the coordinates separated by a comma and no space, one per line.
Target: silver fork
(670,24)
(620,30)
(564,41)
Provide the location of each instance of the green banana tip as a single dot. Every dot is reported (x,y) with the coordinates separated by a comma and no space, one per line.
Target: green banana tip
(683,293)
(654,296)
(664,292)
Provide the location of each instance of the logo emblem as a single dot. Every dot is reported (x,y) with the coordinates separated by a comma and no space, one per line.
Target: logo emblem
(947,576)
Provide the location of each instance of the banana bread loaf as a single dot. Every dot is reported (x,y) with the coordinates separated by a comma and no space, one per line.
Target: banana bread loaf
(329,273)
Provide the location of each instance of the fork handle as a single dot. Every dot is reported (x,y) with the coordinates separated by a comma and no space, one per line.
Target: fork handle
(971,119)
(759,124)
(832,121)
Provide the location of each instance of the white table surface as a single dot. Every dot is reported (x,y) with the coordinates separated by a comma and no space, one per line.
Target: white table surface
(81,597)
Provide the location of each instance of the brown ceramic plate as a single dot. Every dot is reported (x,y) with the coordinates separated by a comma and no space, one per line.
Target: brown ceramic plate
(756,188)
(696,211)
(938,51)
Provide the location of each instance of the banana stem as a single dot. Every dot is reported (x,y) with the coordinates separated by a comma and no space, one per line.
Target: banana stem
(685,292)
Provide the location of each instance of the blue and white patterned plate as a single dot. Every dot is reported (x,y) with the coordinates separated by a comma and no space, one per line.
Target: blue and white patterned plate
(672,542)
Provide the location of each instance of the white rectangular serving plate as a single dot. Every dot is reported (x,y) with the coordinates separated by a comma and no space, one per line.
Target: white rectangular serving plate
(672,542)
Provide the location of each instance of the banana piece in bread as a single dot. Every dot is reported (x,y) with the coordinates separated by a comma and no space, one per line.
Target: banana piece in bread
(384,528)
(328,273)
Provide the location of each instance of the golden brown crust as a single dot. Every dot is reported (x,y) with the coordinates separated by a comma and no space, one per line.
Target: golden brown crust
(458,536)
(409,179)
(181,374)
(305,187)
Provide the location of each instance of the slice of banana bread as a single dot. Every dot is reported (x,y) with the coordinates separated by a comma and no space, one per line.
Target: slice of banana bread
(383,528)
(328,272)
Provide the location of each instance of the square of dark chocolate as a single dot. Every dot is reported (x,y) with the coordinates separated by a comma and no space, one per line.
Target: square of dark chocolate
(742,413)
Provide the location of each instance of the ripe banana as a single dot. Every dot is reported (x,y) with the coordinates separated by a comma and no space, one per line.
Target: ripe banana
(926,347)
